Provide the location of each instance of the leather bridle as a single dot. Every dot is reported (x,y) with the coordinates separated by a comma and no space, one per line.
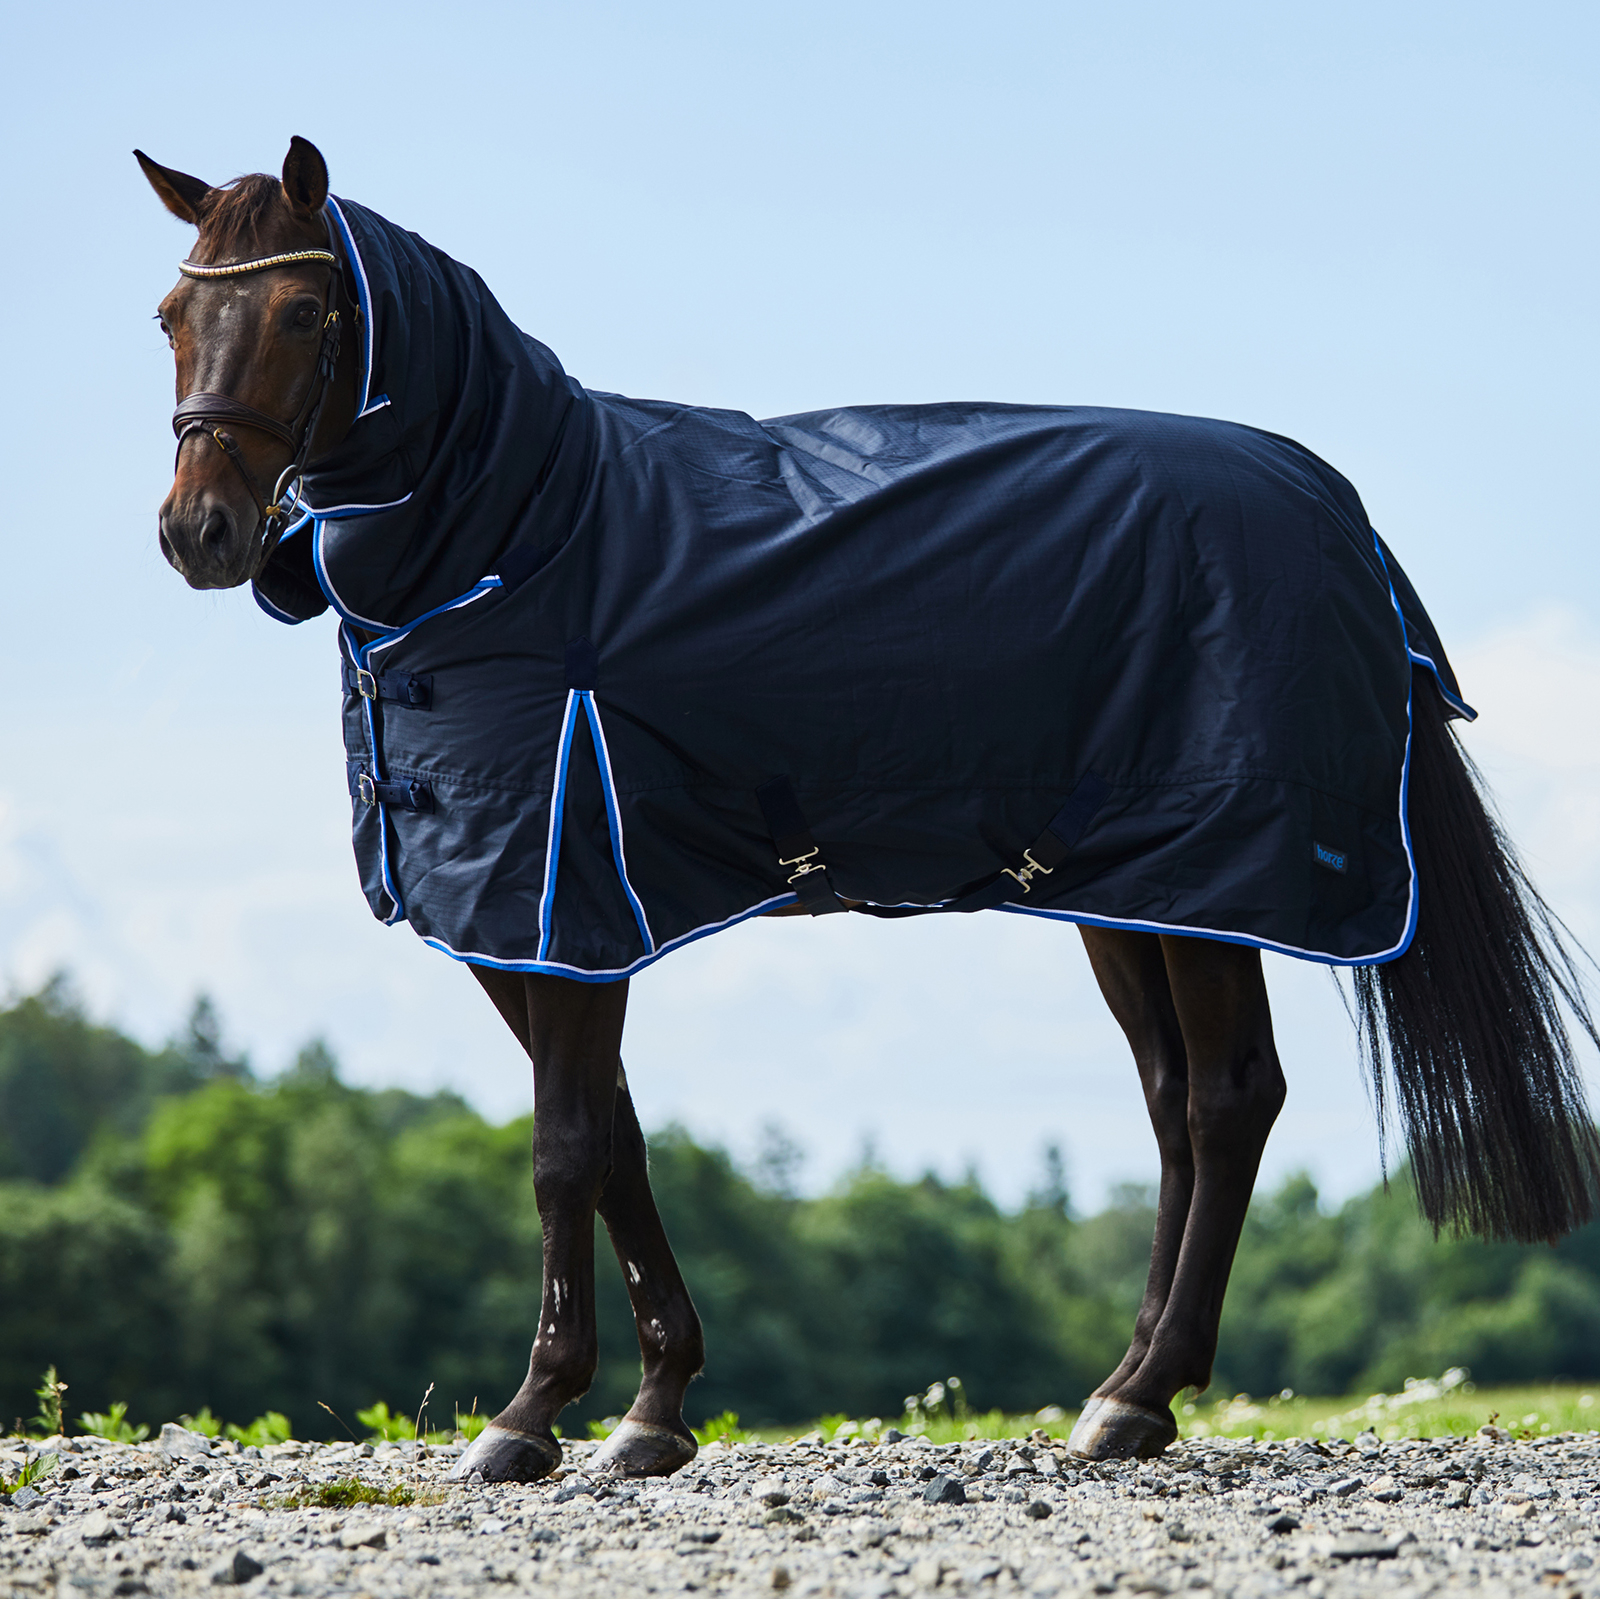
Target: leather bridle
(206,412)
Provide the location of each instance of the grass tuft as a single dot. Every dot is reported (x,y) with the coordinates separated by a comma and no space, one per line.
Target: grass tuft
(343,1493)
(32,1471)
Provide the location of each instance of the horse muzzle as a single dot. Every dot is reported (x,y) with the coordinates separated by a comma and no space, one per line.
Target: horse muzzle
(211,544)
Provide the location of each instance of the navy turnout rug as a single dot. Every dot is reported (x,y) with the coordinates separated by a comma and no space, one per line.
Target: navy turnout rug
(619,673)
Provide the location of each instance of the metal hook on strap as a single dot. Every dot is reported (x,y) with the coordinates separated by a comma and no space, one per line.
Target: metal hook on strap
(791,837)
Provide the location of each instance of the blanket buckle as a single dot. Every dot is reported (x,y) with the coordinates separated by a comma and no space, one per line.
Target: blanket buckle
(803,864)
(366,789)
(366,684)
(1025,876)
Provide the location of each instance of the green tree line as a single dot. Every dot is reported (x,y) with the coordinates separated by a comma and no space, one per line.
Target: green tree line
(176,1233)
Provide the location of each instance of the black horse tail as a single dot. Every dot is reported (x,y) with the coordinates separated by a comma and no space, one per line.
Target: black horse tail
(1468,1024)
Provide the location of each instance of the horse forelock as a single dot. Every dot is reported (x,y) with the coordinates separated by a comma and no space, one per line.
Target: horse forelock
(249,217)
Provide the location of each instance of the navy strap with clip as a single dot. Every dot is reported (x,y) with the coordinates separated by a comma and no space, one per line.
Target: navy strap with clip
(796,848)
(403,688)
(1044,855)
(411,794)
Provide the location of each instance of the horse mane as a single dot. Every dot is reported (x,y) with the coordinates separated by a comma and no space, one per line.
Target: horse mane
(235,217)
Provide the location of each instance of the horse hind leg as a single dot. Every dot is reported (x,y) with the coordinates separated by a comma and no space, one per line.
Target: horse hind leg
(1132,973)
(1234,1092)
(653,1438)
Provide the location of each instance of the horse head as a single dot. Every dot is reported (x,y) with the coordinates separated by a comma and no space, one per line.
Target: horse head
(254,325)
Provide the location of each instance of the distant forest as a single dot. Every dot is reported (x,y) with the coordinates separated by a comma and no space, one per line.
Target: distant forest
(177,1233)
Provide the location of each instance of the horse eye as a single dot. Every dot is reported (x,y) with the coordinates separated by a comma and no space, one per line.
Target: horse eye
(306,317)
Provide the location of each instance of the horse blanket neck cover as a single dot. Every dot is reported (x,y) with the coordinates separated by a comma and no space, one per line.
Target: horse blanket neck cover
(580,633)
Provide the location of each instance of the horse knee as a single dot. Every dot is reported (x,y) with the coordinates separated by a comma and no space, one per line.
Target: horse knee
(1238,1104)
(1166,1098)
(568,1179)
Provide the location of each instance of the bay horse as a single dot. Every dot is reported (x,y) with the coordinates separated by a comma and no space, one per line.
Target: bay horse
(1461,1016)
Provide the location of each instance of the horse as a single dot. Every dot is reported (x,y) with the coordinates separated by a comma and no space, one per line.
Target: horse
(1461,998)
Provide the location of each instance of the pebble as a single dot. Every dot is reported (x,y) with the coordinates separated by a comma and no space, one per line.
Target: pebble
(1479,1516)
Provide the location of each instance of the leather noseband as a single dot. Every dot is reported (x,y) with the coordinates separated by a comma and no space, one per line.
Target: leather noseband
(207,413)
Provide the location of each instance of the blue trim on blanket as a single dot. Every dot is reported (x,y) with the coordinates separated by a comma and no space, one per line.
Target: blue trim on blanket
(558,803)
(364,302)
(1454,701)
(273,611)
(602,756)
(555,969)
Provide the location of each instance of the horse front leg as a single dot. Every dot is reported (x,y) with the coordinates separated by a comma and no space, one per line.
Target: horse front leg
(573,1033)
(1132,973)
(1236,1090)
(653,1438)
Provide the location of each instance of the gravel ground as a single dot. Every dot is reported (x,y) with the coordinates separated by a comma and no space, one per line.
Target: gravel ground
(1480,1516)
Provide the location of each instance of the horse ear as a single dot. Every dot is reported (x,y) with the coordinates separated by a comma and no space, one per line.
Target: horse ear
(182,195)
(305,176)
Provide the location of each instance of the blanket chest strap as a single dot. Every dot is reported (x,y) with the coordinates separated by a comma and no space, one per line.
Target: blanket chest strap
(405,689)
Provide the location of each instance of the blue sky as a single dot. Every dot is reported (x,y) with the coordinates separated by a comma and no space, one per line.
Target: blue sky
(1370,227)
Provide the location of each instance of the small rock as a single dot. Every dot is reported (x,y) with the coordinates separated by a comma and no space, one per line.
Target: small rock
(890,1436)
(572,1488)
(1284,1522)
(780,1575)
(1345,1486)
(944,1491)
(174,1514)
(26,1497)
(1385,1489)
(491,1526)
(926,1573)
(1039,1510)
(1493,1434)
(1365,1547)
(182,1443)
(781,1514)
(1368,1443)
(770,1491)
(1533,1488)
(1178,1532)
(355,1534)
(240,1569)
(100,1528)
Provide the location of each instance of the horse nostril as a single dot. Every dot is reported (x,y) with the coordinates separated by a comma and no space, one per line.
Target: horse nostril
(215,528)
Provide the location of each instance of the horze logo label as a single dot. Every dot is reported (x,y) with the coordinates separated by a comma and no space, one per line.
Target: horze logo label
(1334,860)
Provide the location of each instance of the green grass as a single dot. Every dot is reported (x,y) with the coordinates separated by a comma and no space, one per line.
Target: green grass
(1429,1410)
(114,1424)
(344,1493)
(32,1471)
(1527,1410)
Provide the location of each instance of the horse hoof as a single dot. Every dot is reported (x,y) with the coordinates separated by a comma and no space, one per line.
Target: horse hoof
(503,1455)
(643,1450)
(1090,1406)
(1117,1430)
